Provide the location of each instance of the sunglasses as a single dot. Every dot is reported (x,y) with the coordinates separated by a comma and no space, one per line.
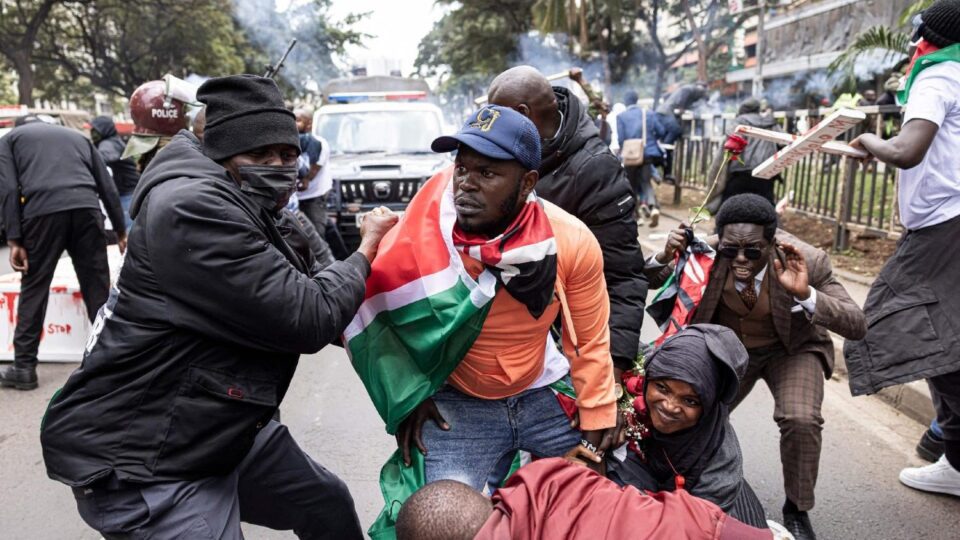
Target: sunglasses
(731,252)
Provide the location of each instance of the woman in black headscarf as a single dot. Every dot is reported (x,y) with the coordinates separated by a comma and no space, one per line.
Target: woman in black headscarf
(691,382)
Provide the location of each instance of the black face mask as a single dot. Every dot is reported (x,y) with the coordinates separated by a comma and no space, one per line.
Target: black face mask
(269,187)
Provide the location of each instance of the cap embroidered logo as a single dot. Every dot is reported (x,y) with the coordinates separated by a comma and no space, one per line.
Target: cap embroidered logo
(485,119)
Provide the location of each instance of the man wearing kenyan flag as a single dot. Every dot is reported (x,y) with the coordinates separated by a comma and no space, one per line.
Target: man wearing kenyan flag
(913,309)
(453,340)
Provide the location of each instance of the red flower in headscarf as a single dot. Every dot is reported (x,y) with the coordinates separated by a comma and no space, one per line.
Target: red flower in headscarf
(734,146)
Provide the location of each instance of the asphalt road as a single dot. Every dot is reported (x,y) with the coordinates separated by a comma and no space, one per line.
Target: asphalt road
(865,445)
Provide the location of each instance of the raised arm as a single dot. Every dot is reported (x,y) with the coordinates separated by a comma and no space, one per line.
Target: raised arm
(231,284)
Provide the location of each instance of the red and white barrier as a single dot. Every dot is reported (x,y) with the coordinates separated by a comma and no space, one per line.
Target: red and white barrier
(66,327)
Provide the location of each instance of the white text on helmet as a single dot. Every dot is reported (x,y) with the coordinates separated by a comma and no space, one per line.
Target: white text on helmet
(164,113)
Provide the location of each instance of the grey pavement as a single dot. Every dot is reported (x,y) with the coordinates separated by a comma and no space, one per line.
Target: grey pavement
(865,444)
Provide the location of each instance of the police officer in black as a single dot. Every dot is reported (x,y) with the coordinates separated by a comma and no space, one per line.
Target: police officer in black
(165,430)
(51,182)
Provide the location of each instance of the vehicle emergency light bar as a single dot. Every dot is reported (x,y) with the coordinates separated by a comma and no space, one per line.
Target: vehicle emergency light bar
(359,97)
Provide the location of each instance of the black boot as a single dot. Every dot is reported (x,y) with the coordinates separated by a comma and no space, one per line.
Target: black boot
(21,378)
(930,446)
(797,522)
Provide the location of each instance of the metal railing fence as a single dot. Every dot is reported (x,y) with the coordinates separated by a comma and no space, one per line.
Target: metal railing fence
(852,196)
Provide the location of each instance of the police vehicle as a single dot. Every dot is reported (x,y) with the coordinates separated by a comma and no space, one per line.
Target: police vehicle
(379,149)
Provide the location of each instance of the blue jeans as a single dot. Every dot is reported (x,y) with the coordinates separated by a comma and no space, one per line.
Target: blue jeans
(486,433)
(125,201)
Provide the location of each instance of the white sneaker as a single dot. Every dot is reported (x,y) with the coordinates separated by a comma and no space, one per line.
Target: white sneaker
(939,477)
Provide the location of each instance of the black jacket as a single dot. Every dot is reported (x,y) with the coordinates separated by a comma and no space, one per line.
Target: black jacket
(111,146)
(196,347)
(682,98)
(54,169)
(579,174)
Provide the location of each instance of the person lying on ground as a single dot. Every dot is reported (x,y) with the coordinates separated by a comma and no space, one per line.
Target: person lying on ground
(554,498)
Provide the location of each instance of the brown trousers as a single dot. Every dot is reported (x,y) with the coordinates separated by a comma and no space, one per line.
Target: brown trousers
(796,383)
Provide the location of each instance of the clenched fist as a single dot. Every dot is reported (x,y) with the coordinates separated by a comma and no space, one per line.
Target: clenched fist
(374,226)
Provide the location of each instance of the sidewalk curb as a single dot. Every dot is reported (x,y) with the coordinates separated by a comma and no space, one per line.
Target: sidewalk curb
(911,399)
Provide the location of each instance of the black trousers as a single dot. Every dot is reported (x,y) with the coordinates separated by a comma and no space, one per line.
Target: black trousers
(79,232)
(277,486)
(946,399)
(316,210)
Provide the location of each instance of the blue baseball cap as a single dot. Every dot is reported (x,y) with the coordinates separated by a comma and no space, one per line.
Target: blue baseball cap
(498,133)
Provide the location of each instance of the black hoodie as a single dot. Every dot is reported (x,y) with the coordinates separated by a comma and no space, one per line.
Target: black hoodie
(111,146)
(198,342)
(579,174)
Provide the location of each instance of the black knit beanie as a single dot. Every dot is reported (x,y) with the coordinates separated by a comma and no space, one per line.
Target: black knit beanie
(941,23)
(244,112)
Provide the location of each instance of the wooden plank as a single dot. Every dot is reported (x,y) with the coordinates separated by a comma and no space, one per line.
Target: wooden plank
(820,134)
(831,147)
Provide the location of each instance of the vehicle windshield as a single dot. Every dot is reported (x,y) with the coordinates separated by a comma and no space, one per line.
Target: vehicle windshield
(356,132)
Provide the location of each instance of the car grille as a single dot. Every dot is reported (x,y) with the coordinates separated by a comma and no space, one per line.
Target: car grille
(358,196)
(372,193)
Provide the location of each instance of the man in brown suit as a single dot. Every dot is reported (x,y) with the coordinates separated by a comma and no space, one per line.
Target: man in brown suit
(779,295)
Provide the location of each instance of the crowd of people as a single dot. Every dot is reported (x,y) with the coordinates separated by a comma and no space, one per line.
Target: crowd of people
(497,321)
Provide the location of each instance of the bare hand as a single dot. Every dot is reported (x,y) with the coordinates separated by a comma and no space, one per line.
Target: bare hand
(575,74)
(676,242)
(579,455)
(18,259)
(794,276)
(372,229)
(122,242)
(602,440)
(857,143)
(412,427)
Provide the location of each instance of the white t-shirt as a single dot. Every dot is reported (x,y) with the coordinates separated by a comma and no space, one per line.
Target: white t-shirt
(323,181)
(930,192)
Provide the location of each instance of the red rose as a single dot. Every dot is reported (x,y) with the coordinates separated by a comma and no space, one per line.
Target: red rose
(640,405)
(734,146)
(634,385)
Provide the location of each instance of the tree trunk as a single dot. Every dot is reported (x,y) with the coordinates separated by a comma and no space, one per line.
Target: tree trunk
(584,38)
(698,38)
(22,65)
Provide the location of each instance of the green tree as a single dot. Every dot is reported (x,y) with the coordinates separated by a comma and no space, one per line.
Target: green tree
(471,43)
(20,23)
(118,45)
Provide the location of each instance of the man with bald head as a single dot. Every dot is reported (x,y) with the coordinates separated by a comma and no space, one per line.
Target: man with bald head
(579,174)
(313,188)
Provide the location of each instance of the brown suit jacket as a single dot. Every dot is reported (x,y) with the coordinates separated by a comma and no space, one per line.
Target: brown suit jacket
(835,311)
